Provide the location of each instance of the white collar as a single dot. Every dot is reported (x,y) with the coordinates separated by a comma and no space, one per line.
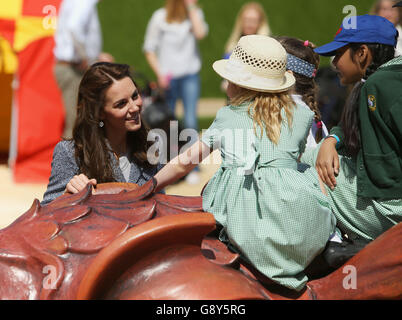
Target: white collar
(297,98)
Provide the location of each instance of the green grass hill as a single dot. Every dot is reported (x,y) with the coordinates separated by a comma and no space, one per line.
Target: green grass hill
(124,23)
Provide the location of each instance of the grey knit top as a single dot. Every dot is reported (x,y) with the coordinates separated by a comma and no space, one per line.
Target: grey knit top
(64,168)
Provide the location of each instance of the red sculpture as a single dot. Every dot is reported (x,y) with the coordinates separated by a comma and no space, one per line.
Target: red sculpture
(125,242)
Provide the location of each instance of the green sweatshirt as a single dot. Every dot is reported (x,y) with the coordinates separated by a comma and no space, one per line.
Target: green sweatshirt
(379,162)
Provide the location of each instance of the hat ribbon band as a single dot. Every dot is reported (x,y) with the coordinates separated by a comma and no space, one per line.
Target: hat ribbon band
(237,71)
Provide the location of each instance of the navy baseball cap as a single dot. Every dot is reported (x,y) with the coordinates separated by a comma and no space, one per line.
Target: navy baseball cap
(368,29)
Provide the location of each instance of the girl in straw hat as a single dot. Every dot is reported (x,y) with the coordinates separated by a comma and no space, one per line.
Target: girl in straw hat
(277,218)
(251,19)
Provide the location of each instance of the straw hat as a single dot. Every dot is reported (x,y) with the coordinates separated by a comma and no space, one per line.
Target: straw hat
(257,63)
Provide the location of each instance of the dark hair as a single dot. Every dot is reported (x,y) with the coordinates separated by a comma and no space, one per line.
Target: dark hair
(349,122)
(305,86)
(92,153)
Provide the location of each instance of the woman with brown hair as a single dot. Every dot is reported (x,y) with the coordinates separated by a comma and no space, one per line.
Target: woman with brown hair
(109,140)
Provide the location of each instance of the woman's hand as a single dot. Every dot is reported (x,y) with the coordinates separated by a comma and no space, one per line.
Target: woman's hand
(198,26)
(164,82)
(327,163)
(79,182)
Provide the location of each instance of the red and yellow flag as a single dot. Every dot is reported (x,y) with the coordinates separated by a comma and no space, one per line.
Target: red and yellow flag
(27,28)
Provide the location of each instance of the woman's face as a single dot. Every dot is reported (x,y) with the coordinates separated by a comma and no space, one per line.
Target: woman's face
(348,69)
(386,11)
(250,21)
(122,110)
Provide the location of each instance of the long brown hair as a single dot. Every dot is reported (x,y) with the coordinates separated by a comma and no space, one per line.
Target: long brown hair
(92,153)
(305,86)
(265,110)
(176,11)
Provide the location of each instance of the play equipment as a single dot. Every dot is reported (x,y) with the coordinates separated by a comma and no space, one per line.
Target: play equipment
(126,242)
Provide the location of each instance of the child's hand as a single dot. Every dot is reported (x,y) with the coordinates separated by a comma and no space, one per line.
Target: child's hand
(327,163)
(77,183)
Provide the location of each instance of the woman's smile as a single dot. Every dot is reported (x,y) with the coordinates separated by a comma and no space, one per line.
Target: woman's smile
(122,110)
(134,118)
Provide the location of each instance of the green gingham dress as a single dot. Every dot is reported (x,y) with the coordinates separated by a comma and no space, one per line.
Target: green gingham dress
(274,215)
(358,217)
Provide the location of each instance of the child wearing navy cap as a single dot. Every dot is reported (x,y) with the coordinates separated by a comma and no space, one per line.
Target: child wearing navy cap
(361,160)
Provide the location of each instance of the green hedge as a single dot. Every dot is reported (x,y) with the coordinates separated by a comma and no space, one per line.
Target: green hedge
(124,23)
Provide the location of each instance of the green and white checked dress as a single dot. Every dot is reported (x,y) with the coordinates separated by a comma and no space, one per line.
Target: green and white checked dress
(274,215)
(358,217)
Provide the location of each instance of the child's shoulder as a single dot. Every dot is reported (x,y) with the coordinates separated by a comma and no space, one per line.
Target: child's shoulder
(390,72)
(387,80)
(230,110)
(301,107)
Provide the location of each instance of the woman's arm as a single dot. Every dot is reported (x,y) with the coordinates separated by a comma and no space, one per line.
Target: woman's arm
(64,177)
(181,165)
(198,24)
(64,168)
(153,37)
(153,62)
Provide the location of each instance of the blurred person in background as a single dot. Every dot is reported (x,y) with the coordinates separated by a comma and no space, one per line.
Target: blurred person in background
(171,49)
(78,45)
(386,9)
(251,19)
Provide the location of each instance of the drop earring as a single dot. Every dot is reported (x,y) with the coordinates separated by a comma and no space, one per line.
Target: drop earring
(101,124)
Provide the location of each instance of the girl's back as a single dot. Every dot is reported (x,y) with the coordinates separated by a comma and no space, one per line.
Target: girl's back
(233,123)
(274,215)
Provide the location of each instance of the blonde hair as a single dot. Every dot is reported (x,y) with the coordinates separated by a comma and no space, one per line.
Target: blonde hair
(375,9)
(176,11)
(265,110)
(237,28)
